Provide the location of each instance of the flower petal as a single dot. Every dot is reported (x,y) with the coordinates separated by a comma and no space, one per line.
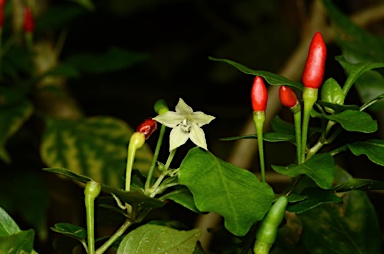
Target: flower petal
(170,119)
(177,138)
(201,119)
(183,109)
(197,136)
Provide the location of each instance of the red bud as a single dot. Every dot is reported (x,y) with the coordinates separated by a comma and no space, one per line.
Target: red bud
(259,95)
(29,23)
(315,64)
(147,127)
(287,97)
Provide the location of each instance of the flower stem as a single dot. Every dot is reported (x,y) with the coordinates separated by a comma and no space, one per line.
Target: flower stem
(155,156)
(137,141)
(297,120)
(114,237)
(259,119)
(309,97)
(91,191)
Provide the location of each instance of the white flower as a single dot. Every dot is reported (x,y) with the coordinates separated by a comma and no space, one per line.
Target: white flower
(186,125)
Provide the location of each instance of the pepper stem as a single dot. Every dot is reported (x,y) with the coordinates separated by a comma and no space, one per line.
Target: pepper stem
(91,191)
(137,141)
(309,98)
(259,119)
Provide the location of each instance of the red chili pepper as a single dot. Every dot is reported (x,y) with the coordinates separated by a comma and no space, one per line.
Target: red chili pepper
(287,97)
(315,64)
(2,5)
(259,95)
(147,127)
(29,23)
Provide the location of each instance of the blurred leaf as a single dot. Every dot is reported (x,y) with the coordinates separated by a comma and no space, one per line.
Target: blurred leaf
(269,137)
(30,202)
(112,60)
(134,197)
(215,184)
(271,78)
(289,235)
(315,197)
(87,4)
(373,149)
(12,118)
(280,126)
(70,230)
(155,239)
(21,242)
(58,16)
(95,147)
(320,168)
(369,85)
(353,120)
(182,196)
(7,225)
(347,227)
(63,70)
(359,184)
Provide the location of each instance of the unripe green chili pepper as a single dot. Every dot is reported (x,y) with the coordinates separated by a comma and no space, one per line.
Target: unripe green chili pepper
(267,231)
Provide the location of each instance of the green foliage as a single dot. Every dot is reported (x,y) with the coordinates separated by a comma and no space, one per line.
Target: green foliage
(159,239)
(217,186)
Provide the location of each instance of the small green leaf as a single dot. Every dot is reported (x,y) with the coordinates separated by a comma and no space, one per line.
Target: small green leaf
(359,184)
(12,118)
(373,149)
(271,78)
(21,242)
(182,196)
(112,60)
(70,230)
(155,239)
(354,120)
(7,225)
(315,197)
(217,186)
(331,92)
(320,168)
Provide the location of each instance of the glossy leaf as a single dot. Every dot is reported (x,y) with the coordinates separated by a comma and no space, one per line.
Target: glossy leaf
(70,230)
(373,149)
(7,225)
(315,197)
(12,118)
(331,92)
(217,186)
(134,197)
(359,184)
(111,60)
(354,120)
(271,78)
(183,197)
(21,242)
(320,168)
(95,147)
(155,239)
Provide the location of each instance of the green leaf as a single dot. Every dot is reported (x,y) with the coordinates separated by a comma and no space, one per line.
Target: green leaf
(269,137)
(320,168)
(217,186)
(331,92)
(336,108)
(182,196)
(112,60)
(369,86)
(70,230)
(58,16)
(63,70)
(354,120)
(271,78)
(134,197)
(280,126)
(155,239)
(315,197)
(12,118)
(347,227)
(373,149)
(95,147)
(21,242)
(7,225)
(359,184)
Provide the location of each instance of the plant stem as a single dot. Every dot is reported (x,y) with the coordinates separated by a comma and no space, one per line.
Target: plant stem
(155,156)
(297,120)
(259,119)
(309,97)
(91,191)
(137,141)
(114,237)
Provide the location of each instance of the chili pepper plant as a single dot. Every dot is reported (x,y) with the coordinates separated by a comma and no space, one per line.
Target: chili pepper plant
(323,208)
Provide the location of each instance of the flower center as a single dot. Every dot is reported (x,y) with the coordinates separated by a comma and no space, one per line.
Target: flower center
(186,125)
